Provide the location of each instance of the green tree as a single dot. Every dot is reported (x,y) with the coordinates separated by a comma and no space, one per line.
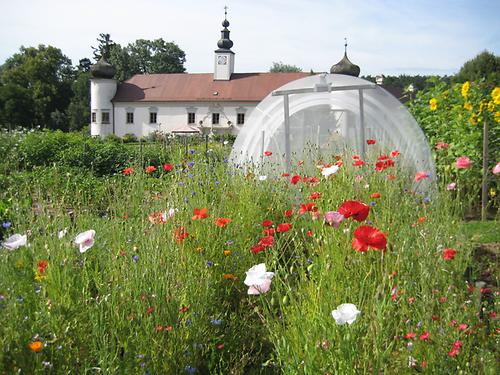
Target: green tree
(79,107)
(484,66)
(280,67)
(40,77)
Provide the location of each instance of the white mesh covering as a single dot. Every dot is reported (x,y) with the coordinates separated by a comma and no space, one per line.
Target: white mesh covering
(323,124)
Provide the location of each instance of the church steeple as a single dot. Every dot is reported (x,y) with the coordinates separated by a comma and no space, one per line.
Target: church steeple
(345,66)
(224,57)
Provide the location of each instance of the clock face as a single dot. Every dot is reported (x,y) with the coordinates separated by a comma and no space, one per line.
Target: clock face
(222,60)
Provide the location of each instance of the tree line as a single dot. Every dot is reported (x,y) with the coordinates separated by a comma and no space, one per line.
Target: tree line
(40,87)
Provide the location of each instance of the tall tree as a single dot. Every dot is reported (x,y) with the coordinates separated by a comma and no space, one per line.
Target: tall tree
(485,65)
(280,67)
(39,76)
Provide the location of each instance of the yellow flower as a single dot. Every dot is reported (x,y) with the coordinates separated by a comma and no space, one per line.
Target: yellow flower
(465,89)
(433,104)
(473,119)
(39,277)
(483,104)
(491,106)
(227,252)
(495,94)
(497,116)
(36,346)
(468,106)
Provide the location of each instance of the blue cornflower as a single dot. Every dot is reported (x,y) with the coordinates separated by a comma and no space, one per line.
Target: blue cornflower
(190,369)
(6,224)
(216,322)
(191,164)
(135,258)
(192,151)
(210,263)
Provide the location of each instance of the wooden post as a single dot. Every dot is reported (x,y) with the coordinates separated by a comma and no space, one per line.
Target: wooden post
(484,192)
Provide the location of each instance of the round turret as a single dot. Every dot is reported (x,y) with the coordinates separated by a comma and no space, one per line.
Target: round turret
(102,69)
(345,66)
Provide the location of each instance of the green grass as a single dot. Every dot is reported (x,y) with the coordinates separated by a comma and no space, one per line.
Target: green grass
(482,231)
(141,300)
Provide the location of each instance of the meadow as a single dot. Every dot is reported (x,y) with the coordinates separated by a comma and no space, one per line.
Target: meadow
(142,264)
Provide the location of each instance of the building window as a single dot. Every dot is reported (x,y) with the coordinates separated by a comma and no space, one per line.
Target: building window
(130,117)
(152,117)
(105,117)
(191,118)
(94,117)
(215,119)
(240,119)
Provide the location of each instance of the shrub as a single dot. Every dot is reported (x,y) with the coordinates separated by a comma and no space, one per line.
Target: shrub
(129,138)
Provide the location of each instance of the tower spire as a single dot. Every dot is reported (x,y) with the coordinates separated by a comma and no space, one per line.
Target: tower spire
(225,43)
(345,46)
(345,66)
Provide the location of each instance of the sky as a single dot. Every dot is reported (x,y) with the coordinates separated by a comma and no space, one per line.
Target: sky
(388,37)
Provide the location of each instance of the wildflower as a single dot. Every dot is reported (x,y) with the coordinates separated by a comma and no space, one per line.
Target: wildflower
(42,265)
(355,209)
(150,169)
(425,336)
(375,195)
(315,195)
(267,223)
(150,310)
(268,153)
(366,236)
(190,369)
(433,104)
(449,254)
(15,241)
(345,313)
(128,171)
(288,213)
(180,234)
(465,89)
(221,222)
(442,145)
(227,252)
(307,207)
(258,279)
(421,175)
(168,167)
(463,162)
(268,232)
(495,94)
(328,171)
(451,186)
(36,346)
(135,258)
(285,174)
(370,141)
(395,153)
(334,218)
(283,227)
(295,179)
(410,335)
(85,240)
(257,249)
(262,178)
(358,163)
(468,106)
(62,233)
(200,213)
(309,233)
(496,168)
(267,241)
(462,327)
(6,224)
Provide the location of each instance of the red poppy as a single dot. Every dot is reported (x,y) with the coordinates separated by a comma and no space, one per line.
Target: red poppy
(339,163)
(168,167)
(425,336)
(383,157)
(312,181)
(370,141)
(285,174)
(42,265)
(375,195)
(268,153)
(200,213)
(257,249)
(283,227)
(358,210)
(410,335)
(395,153)
(267,223)
(421,175)
(358,163)
(309,233)
(221,222)
(366,236)
(266,241)
(269,232)
(356,156)
(300,163)
(295,179)
(449,254)
(288,213)
(128,171)
(305,207)
(180,234)
(150,169)
(380,166)
(315,195)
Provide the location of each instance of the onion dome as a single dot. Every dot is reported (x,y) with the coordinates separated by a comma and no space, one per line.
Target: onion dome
(102,69)
(345,66)
(225,43)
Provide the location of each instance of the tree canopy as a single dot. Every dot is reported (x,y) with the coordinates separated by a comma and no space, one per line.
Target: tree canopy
(485,65)
(280,67)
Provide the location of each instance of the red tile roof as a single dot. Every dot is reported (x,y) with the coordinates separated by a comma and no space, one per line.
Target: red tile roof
(184,87)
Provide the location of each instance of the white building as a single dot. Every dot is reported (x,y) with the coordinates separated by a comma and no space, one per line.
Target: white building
(210,102)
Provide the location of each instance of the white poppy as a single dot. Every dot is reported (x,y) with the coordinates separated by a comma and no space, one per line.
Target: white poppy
(85,240)
(329,170)
(262,178)
(258,279)
(345,313)
(15,241)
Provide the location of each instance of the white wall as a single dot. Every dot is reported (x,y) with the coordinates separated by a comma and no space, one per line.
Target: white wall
(174,115)
(102,90)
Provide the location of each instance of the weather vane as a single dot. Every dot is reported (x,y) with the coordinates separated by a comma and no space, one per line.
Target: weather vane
(345,45)
(225,11)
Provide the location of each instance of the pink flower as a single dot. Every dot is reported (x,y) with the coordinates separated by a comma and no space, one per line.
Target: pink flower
(463,162)
(421,175)
(441,145)
(451,186)
(496,168)
(334,218)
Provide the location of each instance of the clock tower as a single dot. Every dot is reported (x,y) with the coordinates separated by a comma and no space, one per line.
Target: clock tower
(224,57)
